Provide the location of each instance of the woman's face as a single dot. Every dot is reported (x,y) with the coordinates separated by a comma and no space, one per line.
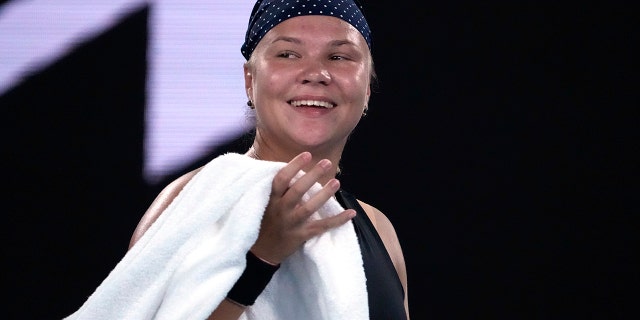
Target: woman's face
(309,78)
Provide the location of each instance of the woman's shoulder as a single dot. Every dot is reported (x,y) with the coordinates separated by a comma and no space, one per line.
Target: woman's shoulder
(387,232)
(173,189)
(377,217)
(161,202)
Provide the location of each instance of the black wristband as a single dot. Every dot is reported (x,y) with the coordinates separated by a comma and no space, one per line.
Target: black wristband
(252,281)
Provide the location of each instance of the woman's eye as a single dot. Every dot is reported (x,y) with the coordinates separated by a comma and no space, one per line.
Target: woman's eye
(286,55)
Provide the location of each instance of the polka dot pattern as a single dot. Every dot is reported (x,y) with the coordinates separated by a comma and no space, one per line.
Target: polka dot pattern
(266,14)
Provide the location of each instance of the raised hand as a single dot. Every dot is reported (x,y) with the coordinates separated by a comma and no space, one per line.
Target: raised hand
(286,224)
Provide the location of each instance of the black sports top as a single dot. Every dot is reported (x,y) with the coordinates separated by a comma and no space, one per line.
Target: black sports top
(384,289)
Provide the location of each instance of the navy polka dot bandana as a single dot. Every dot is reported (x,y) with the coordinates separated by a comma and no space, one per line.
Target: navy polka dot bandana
(266,14)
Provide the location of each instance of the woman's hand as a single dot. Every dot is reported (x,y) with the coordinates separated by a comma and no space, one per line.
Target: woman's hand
(285,224)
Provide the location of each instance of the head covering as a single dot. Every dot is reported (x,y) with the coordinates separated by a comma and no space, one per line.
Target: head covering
(266,14)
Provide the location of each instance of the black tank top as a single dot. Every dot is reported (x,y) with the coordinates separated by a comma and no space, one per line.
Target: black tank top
(384,289)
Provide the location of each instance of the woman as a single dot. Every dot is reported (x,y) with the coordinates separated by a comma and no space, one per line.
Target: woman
(308,79)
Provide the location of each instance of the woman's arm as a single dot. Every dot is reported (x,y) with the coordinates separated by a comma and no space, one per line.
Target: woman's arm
(387,233)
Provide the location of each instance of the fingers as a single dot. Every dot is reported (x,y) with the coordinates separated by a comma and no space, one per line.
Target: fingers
(292,194)
(318,227)
(306,181)
(286,223)
(304,209)
(283,177)
(318,199)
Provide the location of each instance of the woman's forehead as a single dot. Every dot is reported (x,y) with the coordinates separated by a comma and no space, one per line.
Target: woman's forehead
(315,26)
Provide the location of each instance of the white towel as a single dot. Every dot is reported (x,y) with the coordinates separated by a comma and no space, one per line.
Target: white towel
(192,255)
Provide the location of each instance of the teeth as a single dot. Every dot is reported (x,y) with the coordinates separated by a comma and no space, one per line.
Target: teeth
(315,103)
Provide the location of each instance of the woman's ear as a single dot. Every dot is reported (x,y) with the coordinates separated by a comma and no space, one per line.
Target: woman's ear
(368,94)
(248,81)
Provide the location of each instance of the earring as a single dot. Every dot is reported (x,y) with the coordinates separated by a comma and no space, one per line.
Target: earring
(364,111)
(250,104)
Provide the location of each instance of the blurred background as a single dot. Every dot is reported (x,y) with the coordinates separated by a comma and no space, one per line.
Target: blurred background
(501,141)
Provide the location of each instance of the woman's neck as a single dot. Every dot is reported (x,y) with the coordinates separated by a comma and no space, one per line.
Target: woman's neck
(256,151)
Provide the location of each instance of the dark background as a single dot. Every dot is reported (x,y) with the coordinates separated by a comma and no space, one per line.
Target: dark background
(501,141)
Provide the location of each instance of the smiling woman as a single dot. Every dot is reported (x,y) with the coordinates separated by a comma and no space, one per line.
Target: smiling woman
(299,66)
(271,234)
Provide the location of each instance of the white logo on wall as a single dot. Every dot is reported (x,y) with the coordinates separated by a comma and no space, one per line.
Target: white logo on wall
(195,89)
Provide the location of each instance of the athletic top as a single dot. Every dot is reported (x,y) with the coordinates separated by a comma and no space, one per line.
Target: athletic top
(384,289)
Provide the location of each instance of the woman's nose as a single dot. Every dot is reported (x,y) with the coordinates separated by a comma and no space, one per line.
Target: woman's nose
(316,72)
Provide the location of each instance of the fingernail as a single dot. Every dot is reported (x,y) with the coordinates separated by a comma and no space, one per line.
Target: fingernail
(325,163)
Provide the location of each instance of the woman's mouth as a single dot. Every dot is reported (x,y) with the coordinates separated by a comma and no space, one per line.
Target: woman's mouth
(312,103)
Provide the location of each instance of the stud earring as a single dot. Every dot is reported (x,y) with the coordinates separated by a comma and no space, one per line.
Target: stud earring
(250,104)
